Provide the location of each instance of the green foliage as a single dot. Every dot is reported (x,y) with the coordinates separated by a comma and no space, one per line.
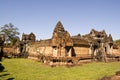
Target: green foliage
(11,33)
(117,42)
(24,69)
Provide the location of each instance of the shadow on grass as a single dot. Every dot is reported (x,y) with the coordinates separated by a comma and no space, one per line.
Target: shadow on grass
(6,74)
(10,78)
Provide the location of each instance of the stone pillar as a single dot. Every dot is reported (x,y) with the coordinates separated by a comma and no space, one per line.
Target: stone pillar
(63,52)
(59,52)
(90,51)
(70,53)
(55,52)
(111,50)
(104,56)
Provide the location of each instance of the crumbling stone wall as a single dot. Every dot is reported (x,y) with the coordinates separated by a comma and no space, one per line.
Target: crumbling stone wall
(8,51)
(81,51)
(36,50)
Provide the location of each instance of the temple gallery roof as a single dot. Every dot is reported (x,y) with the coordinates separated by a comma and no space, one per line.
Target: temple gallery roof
(61,37)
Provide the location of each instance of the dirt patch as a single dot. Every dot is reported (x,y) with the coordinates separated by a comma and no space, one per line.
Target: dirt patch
(113,77)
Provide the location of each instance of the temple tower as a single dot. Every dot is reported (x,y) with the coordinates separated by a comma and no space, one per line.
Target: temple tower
(60,40)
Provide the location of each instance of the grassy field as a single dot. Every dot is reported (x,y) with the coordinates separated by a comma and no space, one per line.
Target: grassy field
(25,69)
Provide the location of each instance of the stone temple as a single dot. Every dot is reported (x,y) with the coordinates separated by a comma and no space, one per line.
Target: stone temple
(62,44)
(96,45)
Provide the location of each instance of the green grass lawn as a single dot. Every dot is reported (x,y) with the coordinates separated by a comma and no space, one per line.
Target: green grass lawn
(25,69)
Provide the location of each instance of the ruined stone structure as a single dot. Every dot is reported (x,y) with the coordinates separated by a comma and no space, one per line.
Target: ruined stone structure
(63,47)
(100,44)
(28,37)
(21,47)
(95,45)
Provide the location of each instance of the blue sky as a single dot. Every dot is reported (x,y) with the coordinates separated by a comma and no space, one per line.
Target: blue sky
(77,16)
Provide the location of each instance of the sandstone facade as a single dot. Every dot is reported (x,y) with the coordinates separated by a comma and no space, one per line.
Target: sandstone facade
(62,44)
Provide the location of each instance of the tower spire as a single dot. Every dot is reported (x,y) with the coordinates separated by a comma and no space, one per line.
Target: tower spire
(59,27)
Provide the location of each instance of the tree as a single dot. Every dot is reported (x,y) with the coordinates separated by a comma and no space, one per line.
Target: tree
(11,33)
(117,42)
